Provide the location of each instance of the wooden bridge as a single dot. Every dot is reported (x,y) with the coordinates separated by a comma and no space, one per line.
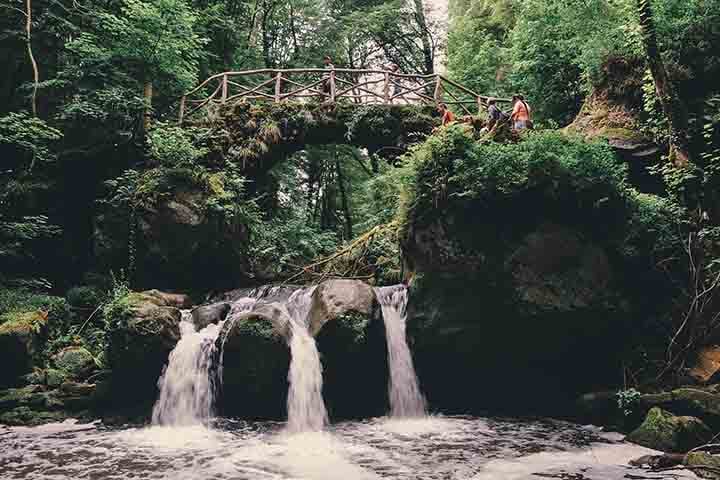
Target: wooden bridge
(363,86)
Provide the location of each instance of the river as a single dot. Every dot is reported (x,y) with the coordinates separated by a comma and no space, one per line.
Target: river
(432,448)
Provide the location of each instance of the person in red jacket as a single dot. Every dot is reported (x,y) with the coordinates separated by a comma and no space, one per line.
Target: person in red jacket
(521,113)
(447,115)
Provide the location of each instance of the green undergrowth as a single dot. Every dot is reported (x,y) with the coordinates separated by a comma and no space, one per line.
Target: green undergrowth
(548,176)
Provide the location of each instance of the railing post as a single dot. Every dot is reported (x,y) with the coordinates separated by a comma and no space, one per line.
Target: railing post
(386,89)
(438,89)
(332,86)
(182,110)
(278,83)
(224,88)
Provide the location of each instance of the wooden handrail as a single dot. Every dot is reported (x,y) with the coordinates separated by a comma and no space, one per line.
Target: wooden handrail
(331,85)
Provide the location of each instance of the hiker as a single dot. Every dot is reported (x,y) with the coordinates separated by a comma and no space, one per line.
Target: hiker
(327,62)
(447,116)
(397,86)
(495,115)
(521,113)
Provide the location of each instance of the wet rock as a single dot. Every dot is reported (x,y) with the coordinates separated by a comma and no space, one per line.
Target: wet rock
(21,336)
(333,299)
(209,314)
(177,300)
(659,461)
(76,389)
(663,431)
(179,243)
(704,465)
(695,402)
(255,361)
(54,377)
(346,320)
(12,397)
(554,268)
(30,417)
(140,341)
(529,304)
(75,362)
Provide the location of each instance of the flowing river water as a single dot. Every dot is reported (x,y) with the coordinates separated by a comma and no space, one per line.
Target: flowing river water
(432,448)
(186,442)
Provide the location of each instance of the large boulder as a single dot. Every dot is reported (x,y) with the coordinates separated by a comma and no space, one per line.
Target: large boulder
(696,402)
(21,336)
(254,362)
(529,267)
(75,362)
(663,431)
(346,320)
(519,316)
(141,338)
(205,315)
(178,241)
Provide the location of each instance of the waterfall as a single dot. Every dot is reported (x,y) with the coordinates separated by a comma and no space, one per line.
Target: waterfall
(305,404)
(406,400)
(186,385)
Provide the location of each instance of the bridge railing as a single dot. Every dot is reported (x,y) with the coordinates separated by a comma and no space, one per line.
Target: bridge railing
(359,86)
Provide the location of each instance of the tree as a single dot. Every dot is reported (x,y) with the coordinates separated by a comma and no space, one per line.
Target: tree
(672,106)
(154,41)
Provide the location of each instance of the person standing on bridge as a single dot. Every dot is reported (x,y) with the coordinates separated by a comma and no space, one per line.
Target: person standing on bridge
(397,86)
(326,88)
(521,113)
(447,116)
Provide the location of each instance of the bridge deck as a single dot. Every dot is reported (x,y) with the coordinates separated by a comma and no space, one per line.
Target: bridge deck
(355,86)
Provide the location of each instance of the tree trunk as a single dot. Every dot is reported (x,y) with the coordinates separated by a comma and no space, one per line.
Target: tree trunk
(28,41)
(425,37)
(147,114)
(672,106)
(344,200)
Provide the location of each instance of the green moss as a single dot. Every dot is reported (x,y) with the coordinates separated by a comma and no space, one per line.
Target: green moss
(25,323)
(622,134)
(75,362)
(704,464)
(84,297)
(663,431)
(355,324)
(30,417)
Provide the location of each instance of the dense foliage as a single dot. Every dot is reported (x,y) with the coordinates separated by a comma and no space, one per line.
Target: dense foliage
(554,51)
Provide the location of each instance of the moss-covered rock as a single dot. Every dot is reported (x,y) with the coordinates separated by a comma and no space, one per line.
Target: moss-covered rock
(346,320)
(75,362)
(663,431)
(527,262)
(695,402)
(30,417)
(208,314)
(255,361)
(143,331)
(190,228)
(21,336)
(703,465)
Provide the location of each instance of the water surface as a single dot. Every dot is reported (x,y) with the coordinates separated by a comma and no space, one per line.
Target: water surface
(432,448)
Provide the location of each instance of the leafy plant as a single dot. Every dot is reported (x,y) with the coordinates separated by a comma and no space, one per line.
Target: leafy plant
(628,400)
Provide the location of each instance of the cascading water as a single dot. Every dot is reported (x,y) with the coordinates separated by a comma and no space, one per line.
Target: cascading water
(305,404)
(187,385)
(406,399)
